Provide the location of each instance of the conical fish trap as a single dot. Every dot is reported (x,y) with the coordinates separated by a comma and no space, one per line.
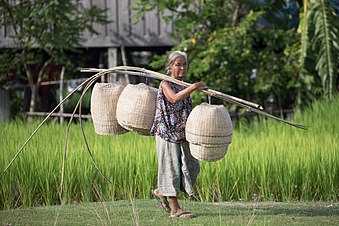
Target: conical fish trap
(209,132)
(104,101)
(136,108)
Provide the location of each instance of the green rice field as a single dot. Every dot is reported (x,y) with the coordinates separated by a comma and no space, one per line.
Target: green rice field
(267,161)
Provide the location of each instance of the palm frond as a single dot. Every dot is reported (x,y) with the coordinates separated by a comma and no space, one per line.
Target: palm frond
(325,43)
(304,31)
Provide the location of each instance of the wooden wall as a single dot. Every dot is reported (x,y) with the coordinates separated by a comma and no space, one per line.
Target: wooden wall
(151,31)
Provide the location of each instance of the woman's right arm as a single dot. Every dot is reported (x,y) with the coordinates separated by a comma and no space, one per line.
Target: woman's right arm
(174,97)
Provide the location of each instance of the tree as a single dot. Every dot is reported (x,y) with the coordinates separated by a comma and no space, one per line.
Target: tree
(44,32)
(226,40)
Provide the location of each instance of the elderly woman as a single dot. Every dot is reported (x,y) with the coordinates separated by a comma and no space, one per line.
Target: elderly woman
(177,168)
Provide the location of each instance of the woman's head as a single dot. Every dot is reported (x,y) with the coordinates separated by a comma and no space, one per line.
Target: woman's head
(177,65)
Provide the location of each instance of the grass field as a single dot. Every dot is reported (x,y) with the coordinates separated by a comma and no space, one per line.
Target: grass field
(147,212)
(267,161)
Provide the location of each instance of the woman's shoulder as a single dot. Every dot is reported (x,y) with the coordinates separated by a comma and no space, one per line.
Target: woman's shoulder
(172,85)
(166,83)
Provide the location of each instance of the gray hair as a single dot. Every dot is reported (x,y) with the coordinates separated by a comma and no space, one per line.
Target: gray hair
(171,58)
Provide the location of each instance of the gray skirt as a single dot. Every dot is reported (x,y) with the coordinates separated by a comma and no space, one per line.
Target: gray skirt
(177,168)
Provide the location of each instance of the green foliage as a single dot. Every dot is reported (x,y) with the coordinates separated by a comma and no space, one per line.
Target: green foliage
(321,40)
(225,44)
(226,62)
(308,88)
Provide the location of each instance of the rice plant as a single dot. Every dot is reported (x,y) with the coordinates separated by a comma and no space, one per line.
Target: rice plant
(266,161)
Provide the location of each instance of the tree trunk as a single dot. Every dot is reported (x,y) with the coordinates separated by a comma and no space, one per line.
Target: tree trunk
(34,98)
(5,111)
(35,84)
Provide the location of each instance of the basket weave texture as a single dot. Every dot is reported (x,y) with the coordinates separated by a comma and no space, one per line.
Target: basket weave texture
(136,108)
(104,101)
(208,154)
(209,131)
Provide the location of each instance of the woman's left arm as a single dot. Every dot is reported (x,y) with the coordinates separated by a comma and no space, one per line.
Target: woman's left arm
(174,97)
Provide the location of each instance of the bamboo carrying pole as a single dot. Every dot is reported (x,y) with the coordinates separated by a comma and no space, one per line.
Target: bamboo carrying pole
(225,97)
(138,72)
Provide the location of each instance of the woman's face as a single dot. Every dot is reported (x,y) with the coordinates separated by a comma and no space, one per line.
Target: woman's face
(179,68)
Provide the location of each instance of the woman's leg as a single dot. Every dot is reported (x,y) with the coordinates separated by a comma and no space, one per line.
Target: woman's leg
(170,174)
(168,171)
(169,167)
(174,203)
(190,169)
(157,193)
(162,200)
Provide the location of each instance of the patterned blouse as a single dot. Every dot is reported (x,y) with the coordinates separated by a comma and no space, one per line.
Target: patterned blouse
(170,119)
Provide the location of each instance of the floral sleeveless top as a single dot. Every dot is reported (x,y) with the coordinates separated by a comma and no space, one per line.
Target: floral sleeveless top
(170,119)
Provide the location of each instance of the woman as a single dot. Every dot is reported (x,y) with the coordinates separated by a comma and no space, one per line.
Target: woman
(177,168)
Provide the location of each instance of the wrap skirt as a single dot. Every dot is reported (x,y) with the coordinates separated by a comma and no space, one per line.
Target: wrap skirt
(177,168)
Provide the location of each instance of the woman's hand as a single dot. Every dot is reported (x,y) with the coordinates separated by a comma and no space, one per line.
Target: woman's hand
(199,86)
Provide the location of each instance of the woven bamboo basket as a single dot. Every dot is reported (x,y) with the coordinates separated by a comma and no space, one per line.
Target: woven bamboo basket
(104,101)
(136,108)
(208,153)
(209,132)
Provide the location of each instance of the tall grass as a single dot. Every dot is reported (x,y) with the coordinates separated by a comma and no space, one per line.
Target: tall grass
(266,161)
